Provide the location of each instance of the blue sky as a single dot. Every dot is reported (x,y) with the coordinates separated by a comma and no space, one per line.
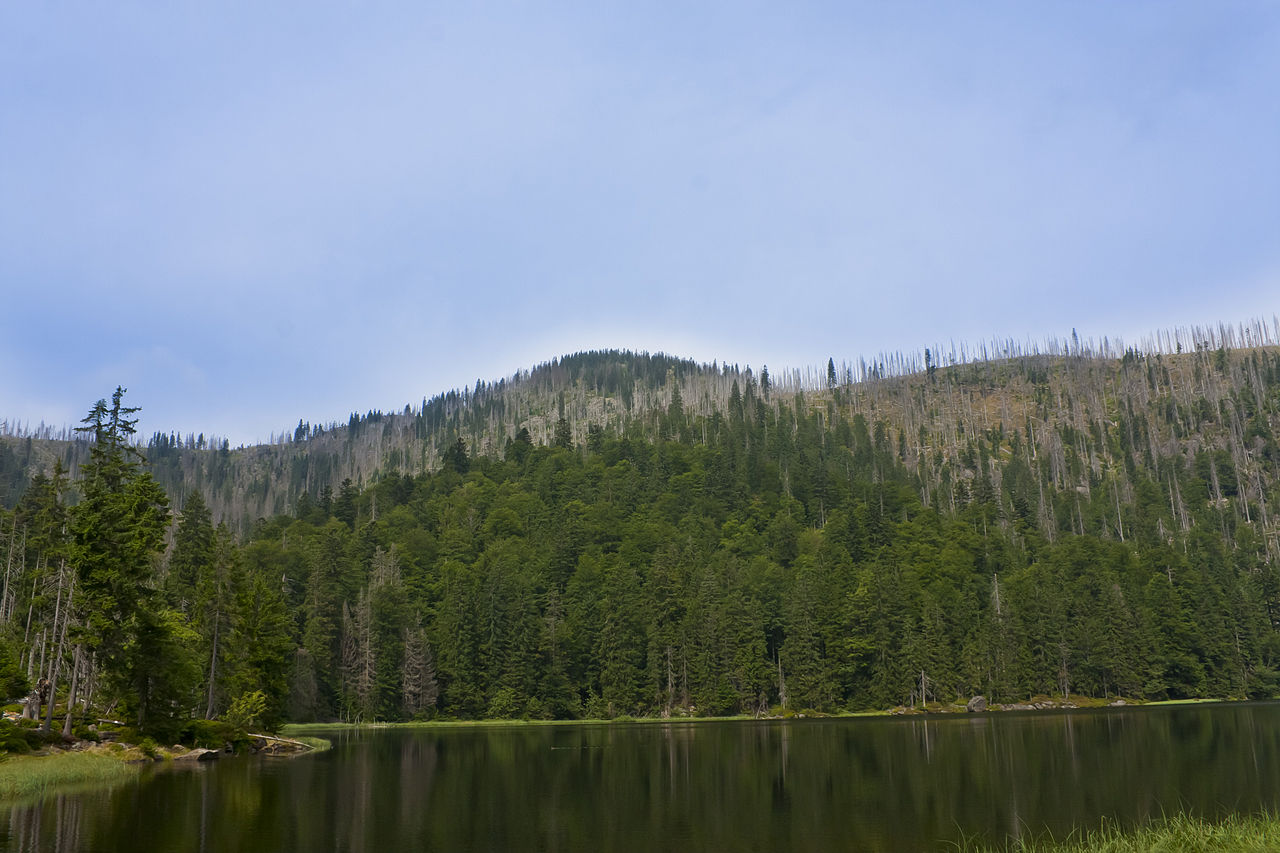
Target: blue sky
(252,213)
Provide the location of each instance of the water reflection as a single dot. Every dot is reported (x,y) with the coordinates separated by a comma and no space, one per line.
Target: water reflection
(868,784)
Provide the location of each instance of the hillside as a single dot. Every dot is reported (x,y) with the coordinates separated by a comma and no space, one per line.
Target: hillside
(614,533)
(1074,419)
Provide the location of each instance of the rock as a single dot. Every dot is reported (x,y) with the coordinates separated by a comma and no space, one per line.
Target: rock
(197,755)
(977,704)
(1119,703)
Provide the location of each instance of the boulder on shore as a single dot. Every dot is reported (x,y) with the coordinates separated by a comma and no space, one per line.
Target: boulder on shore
(977,704)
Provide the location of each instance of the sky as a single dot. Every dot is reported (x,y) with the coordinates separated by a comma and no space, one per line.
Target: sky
(250,213)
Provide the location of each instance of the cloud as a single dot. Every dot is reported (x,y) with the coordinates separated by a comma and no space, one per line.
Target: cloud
(284,212)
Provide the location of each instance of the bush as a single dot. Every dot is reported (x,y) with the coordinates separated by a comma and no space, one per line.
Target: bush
(596,708)
(52,736)
(24,735)
(246,710)
(13,681)
(81,731)
(13,738)
(126,734)
(209,734)
(505,705)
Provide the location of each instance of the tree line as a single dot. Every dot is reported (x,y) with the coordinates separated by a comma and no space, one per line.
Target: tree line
(1057,527)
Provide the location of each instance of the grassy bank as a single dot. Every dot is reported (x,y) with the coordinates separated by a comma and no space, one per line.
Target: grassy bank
(1076,703)
(294,730)
(317,744)
(23,776)
(1181,834)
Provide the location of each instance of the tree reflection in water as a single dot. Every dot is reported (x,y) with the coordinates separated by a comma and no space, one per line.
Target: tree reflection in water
(855,784)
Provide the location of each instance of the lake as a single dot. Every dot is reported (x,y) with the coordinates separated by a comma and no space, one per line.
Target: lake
(866,784)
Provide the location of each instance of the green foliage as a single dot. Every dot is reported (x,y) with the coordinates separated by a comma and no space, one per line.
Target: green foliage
(193,552)
(247,710)
(1010,529)
(13,681)
(210,734)
(260,646)
(118,529)
(13,738)
(23,736)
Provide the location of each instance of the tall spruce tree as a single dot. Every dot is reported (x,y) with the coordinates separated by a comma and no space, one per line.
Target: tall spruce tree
(118,529)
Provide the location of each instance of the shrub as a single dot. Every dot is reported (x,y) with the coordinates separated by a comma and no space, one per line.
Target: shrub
(246,710)
(13,738)
(504,705)
(24,736)
(81,731)
(209,734)
(13,681)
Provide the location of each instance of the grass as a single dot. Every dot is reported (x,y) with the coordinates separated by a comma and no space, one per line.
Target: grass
(1077,703)
(23,776)
(317,744)
(291,730)
(1180,834)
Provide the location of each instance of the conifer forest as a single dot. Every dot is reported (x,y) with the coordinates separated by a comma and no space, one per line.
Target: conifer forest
(615,533)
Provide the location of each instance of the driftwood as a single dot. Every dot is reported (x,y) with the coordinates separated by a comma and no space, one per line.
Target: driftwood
(272,745)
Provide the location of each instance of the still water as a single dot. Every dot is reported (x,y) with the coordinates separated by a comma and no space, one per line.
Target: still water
(873,784)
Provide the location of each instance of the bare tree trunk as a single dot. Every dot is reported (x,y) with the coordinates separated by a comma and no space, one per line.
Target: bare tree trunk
(782,684)
(31,606)
(213,666)
(71,695)
(55,665)
(92,676)
(6,609)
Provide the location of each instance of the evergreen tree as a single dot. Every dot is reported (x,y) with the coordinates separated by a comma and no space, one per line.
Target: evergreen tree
(193,553)
(118,528)
(259,648)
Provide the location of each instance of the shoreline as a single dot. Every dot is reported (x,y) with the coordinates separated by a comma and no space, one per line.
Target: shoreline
(88,765)
(32,776)
(1035,705)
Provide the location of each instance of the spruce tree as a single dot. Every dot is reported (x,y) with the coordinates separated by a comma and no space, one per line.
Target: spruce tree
(118,529)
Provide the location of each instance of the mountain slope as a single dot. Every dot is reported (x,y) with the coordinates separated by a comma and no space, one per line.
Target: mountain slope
(616,534)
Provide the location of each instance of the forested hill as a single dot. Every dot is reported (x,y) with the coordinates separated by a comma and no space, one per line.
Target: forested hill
(614,391)
(1182,396)
(620,534)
